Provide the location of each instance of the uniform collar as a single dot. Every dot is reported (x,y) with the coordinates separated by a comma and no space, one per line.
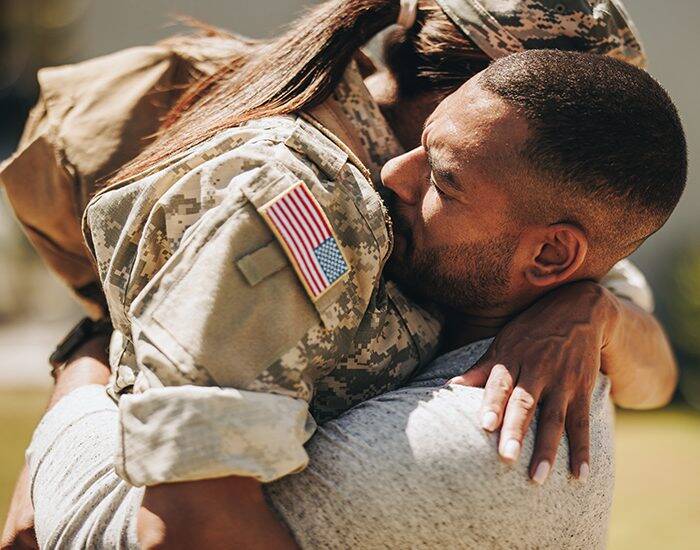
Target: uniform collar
(355,117)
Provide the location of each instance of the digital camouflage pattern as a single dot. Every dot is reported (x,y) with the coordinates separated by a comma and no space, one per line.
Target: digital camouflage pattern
(200,292)
(377,139)
(502,27)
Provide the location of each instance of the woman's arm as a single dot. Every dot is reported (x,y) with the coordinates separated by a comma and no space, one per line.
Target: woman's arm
(638,359)
(549,357)
(220,513)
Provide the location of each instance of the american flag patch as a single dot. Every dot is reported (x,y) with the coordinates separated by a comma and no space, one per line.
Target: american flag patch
(307,237)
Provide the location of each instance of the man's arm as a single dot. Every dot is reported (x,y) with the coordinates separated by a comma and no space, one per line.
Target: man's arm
(413,468)
(87,366)
(213,513)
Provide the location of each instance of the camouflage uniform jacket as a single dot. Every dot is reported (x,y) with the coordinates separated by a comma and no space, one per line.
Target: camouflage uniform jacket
(209,284)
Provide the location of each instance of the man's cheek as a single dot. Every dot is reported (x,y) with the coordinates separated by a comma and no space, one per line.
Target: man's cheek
(444,229)
(432,225)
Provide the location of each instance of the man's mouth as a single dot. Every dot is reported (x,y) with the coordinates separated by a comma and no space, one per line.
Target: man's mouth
(400,227)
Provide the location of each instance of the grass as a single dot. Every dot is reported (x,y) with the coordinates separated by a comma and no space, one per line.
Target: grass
(657,495)
(19,413)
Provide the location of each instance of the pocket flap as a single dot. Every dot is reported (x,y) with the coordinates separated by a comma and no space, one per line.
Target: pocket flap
(262,263)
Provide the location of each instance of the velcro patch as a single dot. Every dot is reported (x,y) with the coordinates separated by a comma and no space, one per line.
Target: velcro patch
(307,237)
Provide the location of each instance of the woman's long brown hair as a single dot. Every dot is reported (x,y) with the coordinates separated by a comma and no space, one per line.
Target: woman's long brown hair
(301,68)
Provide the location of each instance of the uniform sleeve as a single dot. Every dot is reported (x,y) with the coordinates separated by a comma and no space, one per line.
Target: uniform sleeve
(238,306)
(91,118)
(189,432)
(625,280)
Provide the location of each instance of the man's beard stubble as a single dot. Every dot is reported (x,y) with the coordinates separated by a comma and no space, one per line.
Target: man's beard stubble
(469,277)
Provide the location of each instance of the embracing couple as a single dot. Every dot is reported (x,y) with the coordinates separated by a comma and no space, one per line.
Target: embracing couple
(315,266)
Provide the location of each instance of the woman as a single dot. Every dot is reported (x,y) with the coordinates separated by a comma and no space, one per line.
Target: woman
(308,70)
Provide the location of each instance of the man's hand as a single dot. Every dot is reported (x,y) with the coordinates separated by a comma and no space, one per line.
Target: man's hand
(549,356)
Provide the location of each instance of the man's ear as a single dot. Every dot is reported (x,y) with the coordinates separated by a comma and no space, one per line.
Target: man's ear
(558,252)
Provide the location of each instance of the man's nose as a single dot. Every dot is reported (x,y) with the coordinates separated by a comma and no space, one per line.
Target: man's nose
(404,174)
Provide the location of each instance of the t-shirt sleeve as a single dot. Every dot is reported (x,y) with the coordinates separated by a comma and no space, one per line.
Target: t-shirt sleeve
(79,501)
(414,469)
(625,280)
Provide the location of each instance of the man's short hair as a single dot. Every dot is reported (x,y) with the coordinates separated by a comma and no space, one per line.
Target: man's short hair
(602,133)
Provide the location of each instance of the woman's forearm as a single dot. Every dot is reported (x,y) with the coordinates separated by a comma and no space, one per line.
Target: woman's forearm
(89,365)
(638,359)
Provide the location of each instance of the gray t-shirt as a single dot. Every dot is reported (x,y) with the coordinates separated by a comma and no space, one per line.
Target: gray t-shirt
(408,469)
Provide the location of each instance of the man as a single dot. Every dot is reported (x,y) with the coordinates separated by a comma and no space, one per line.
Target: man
(558,206)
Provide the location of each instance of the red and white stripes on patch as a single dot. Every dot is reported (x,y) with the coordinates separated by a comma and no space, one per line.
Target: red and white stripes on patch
(303,228)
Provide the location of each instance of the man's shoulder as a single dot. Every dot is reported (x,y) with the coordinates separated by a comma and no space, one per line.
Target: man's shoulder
(426,462)
(450,364)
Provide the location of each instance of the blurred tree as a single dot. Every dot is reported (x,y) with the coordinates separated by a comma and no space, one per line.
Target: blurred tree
(682,305)
(33,34)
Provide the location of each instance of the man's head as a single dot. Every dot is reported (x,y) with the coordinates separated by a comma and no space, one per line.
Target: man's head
(545,168)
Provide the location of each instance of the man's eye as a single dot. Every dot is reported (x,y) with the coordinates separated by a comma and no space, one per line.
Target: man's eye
(437,187)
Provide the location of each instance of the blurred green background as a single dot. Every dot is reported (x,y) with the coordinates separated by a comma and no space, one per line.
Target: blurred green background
(657,498)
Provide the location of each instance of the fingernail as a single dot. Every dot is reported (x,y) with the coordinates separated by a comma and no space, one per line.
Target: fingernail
(542,472)
(511,450)
(489,421)
(583,472)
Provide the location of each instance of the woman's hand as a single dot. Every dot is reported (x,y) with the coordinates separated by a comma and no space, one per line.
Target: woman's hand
(548,356)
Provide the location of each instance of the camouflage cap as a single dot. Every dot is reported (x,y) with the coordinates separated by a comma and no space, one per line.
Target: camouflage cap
(502,27)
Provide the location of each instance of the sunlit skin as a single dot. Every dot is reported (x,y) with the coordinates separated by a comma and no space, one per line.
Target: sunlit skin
(456,219)
(442,184)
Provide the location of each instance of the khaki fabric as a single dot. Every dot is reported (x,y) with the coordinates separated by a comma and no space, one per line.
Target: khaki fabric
(202,292)
(91,119)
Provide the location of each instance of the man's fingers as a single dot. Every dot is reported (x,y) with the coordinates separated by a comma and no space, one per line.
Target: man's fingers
(520,410)
(497,390)
(550,428)
(579,434)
